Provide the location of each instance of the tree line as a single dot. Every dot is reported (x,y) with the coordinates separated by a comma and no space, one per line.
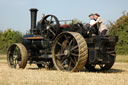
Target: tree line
(9,37)
(120,29)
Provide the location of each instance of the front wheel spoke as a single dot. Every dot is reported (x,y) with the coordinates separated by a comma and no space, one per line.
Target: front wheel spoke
(15,64)
(12,60)
(15,61)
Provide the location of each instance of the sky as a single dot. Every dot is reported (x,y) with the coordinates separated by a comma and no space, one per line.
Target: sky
(15,14)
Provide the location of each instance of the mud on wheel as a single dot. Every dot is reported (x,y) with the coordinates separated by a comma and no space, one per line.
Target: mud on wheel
(17,56)
(69,52)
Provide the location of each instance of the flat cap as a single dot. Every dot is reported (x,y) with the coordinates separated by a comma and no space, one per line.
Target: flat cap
(91,15)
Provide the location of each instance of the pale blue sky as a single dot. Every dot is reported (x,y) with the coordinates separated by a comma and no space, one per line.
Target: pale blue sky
(15,13)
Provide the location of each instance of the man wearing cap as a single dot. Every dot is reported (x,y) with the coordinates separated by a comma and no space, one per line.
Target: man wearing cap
(92,26)
(92,21)
(102,27)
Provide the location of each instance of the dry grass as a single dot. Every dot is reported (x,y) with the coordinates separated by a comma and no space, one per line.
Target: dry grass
(2,57)
(122,58)
(118,75)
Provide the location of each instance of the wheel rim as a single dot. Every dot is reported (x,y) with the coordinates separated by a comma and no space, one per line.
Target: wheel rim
(17,56)
(110,56)
(102,67)
(107,66)
(69,52)
(90,67)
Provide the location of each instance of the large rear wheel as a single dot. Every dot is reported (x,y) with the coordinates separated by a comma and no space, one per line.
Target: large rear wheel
(69,52)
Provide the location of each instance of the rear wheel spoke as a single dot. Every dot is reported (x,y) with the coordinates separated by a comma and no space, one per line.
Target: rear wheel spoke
(60,54)
(69,66)
(58,58)
(70,43)
(64,62)
(66,37)
(74,48)
(75,59)
(74,54)
(59,43)
(63,59)
(72,61)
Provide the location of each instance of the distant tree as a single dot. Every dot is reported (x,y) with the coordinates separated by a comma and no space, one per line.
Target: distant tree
(120,29)
(7,38)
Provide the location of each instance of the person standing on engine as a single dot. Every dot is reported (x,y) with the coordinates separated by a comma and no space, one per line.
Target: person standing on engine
(92,28)
(92,20)
(100,22)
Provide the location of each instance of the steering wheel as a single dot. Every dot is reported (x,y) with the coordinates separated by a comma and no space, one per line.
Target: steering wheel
(50,27)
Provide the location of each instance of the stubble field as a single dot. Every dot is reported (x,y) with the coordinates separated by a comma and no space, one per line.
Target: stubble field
(31,75)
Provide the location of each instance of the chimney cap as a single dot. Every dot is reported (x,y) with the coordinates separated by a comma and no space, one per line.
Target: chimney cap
(33,9)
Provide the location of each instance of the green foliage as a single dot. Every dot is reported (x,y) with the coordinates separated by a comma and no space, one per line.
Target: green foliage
(7,38)
(120,29)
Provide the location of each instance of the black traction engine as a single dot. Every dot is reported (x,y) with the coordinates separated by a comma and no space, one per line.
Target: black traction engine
(65,47)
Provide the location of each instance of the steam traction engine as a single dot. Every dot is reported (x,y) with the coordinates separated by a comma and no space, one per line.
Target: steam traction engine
(65,47)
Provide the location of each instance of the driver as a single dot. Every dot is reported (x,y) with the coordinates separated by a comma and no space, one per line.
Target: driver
(92,20)
(92,28)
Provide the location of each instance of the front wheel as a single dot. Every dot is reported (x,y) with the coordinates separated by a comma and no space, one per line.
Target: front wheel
(17,56)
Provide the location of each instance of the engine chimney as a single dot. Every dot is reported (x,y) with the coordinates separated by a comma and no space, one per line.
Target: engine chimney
(33,19)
